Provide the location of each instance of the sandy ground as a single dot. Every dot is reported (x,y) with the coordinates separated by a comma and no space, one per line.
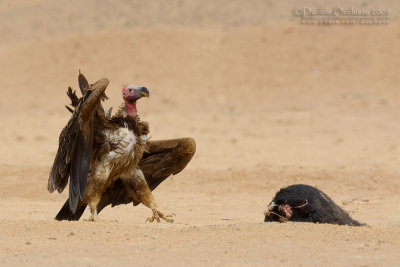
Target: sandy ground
(270,103)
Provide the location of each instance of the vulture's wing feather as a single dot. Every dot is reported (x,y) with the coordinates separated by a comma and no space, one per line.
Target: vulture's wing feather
(85,86)
(66,214)
(165,158)
(75,146)
(74,98)
(162,159)
(83,83)
(80,165)
(59,174)
(115,195)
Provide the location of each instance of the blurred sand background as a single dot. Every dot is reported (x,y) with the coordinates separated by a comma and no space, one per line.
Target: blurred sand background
(269,101)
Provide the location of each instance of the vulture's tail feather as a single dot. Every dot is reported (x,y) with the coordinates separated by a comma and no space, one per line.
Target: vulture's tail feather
(66,214)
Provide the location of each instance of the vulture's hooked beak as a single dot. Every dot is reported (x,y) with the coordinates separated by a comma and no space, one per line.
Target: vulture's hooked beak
(144,92)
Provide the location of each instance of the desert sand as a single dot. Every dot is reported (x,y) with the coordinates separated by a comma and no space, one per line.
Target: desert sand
(270,102)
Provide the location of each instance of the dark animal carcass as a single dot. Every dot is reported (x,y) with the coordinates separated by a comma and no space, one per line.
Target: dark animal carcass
(304,203)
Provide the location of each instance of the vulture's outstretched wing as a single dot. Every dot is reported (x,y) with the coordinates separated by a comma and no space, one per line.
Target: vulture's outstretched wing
(166,157)
(75,145)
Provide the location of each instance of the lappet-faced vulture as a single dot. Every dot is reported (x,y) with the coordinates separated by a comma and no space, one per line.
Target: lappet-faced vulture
(109,160)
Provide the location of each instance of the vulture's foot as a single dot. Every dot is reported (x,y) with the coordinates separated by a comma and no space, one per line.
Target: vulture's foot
(93,217)
(158,214)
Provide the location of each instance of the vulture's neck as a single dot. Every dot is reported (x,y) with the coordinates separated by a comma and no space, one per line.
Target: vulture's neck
(130,109)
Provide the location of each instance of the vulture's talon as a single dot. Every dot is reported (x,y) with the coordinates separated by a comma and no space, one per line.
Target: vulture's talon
(154,217)
(149,219)
(158,214)
(165,217)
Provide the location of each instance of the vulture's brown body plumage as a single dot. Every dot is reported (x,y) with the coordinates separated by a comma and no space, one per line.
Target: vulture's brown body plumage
(108,160)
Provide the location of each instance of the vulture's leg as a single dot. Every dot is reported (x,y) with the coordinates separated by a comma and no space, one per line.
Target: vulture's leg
(93,217)
(92,203)
(138,189)
(93,196)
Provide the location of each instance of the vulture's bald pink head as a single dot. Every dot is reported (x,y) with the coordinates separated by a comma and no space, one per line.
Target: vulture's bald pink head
(131,94)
